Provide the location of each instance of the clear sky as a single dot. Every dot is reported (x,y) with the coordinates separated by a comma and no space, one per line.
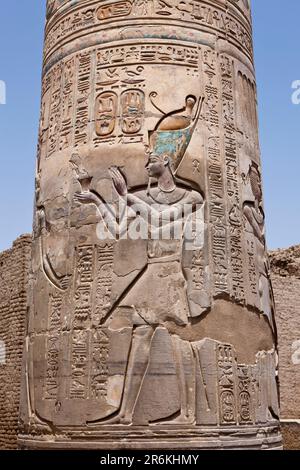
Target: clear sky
(276,37)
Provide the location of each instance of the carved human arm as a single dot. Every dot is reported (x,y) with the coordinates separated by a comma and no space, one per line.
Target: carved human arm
(258,232)
(168,217)
(106,211)
(61,282)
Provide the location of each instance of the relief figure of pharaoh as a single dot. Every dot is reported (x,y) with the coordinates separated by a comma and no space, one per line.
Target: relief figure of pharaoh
(173,213)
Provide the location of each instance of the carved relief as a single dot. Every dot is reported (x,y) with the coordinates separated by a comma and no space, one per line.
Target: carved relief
(232,181)
(133,105)
(106,113)
(115,9)
(247,121)
(99,365)
(155,53)
(168,143)
(203,15)
(79,377)
(246,395)
(82,99)
(216,188)
(258,263)
(227,392)
(149,257)
(55,110)
(67,105)
(83,285)
(104,280)
(53,346)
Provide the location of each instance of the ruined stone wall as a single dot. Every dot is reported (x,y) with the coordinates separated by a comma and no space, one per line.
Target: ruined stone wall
(14,266)
(286,284)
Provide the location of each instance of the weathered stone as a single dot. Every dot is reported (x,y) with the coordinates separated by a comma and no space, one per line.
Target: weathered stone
(286,262)
(291,434)
(286,284)
(138,331)
(14,270)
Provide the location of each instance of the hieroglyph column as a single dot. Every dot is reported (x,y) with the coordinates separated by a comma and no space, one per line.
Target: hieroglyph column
(151,315)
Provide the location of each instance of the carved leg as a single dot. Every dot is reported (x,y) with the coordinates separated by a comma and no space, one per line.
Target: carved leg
(136,370)
(185,366)
(186,378)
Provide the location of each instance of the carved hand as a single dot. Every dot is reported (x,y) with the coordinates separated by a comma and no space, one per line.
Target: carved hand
(86,198)
(118,181)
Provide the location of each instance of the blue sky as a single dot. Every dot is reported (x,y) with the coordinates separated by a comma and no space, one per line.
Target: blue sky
(276,37)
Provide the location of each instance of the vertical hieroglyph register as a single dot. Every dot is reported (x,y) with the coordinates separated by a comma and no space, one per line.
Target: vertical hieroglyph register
(151,316)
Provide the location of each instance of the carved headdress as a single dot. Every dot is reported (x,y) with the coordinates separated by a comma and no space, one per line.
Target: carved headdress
(174,132)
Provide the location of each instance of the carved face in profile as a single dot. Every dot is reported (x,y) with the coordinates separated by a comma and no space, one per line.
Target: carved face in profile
(157,165)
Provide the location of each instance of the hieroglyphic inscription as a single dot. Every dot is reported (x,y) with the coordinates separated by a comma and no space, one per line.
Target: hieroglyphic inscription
(233,181)
(245,394)
(68,89)
(44,119)
(53,346)
(133,111)
(120,79)
(198,273)
(218,232)
(112,10)
(46,83)
(99,365)
(106,113)
(89,365)
(109,125)
(226,382)
(79,378)
(55,110)
(82,98)
(150,53)
(119,114)
(69,24)
(83,286)
(201,14)
(64,107)
(104,278)
(251,268)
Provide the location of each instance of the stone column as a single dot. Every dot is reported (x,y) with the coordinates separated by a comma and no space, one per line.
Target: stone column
(151,311)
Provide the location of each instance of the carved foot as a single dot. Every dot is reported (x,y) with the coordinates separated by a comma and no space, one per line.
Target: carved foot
(121,419)
(182,419)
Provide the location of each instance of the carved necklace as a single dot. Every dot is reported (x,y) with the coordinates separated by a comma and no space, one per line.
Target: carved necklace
(171,190)
(167,197)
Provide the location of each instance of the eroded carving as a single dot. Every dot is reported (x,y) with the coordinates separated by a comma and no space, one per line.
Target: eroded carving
(259,267)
